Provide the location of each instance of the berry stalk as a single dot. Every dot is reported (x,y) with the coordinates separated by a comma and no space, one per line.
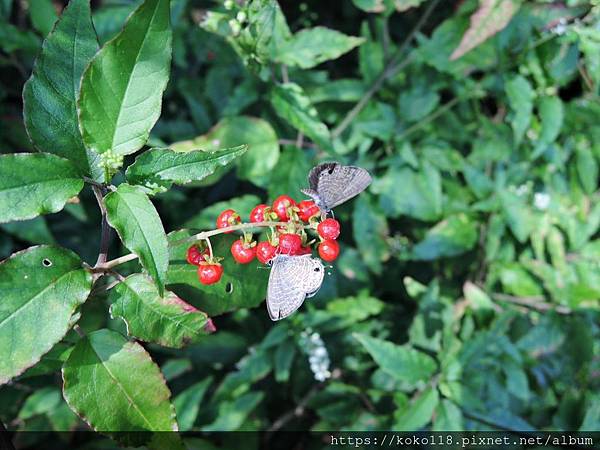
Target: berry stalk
(204,235)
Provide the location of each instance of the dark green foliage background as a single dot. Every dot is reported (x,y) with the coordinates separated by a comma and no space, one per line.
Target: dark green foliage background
(477,243)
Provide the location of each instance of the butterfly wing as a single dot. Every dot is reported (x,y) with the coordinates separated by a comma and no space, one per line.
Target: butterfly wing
(292,278)
(339,184)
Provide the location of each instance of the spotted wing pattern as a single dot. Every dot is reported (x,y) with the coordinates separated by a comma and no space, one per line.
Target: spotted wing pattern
(291,280)
(331,184)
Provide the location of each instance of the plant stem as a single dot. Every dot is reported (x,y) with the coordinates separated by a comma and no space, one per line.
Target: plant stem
(204,235)
(534,302)
(391,68)
(99,192)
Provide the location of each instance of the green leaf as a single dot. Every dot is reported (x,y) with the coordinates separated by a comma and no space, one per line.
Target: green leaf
(312,46)
(43,15)
(33,184)
(39,402)
(115,387)
(520,97)
(121,89)
(242,285)
(419,195)
(476,297)
(587,168)
(418,413)
(35,231)
(372,6)
(168,320)
(40,288)
(187,403)
(451,237)
(369,220)
(283,359)
(161,167)
(232,414)
(403,5)
(401,362)
(291,174)
(491,17)
(518,215)
(132,214)
(448,417)
(551,114)
(292,105)
(50,94)
(263,146)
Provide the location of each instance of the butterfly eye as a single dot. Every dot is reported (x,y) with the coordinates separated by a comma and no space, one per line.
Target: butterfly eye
(330,171)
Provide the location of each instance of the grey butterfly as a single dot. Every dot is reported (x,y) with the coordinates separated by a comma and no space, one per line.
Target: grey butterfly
(331,184)
(292,279)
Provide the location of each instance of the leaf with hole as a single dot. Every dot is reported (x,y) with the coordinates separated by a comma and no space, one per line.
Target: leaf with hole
(40,288)
(242,285)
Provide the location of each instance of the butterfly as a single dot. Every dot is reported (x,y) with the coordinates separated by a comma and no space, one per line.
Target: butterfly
(291,281)
(331,184)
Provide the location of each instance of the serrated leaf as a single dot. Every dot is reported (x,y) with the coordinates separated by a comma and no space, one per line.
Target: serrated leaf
(518,215)
(491,17)
(40,288)
(168,320)
(312,46)
(292,105)
(242,285)
(132,214)
(32,184)
(188,402)
(115,387)
(50,94)
(402,362)
(520,96)
(161,167)
(121,89)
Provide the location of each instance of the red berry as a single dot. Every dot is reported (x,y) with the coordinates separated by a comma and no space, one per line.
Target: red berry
(242,252)
(281,206)
(289,243)
(329,229)
(195,256)
(228,218)
(258,213)
(209,273)
(329,250)
(308,209)
(265,251)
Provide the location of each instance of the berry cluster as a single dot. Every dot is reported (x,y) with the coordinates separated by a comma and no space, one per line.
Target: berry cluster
(290,223)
